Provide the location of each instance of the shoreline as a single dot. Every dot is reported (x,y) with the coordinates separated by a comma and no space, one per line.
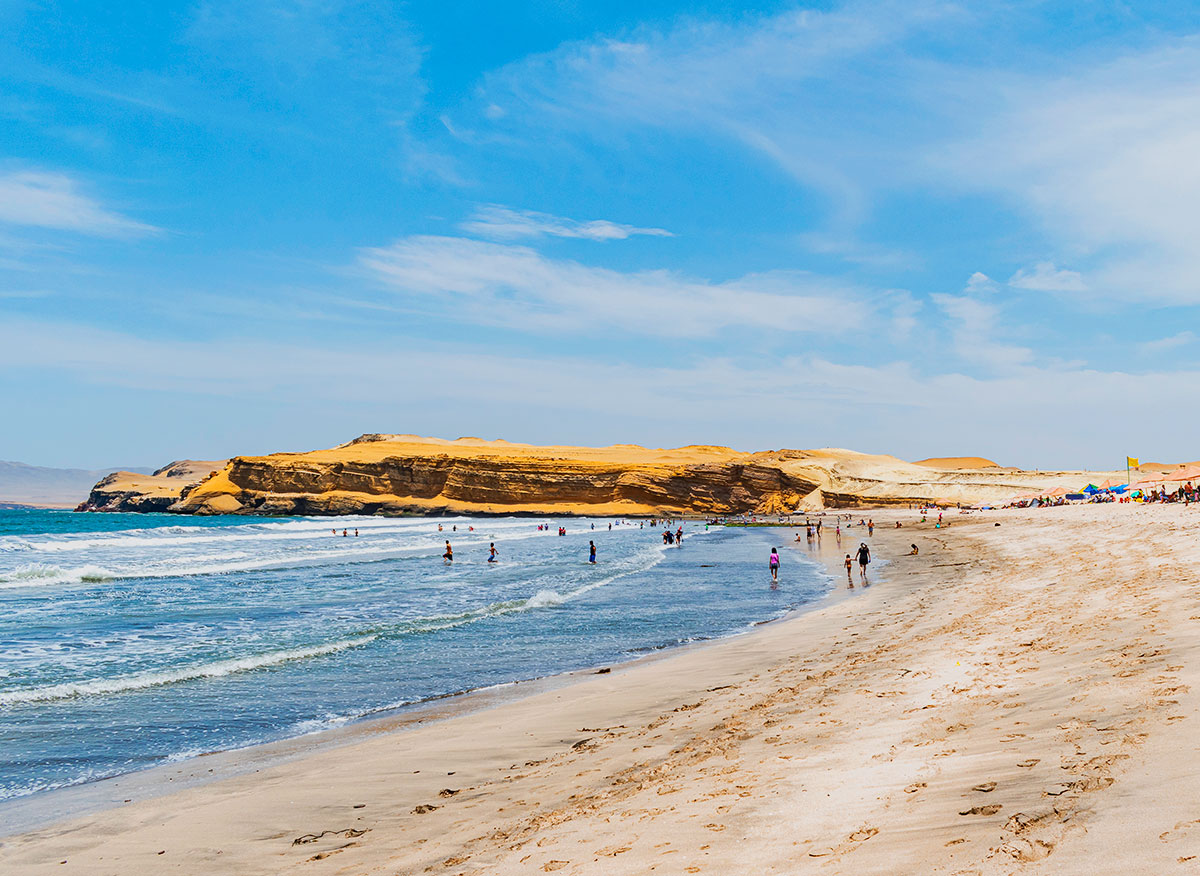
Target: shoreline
(1017,697)
(92,797)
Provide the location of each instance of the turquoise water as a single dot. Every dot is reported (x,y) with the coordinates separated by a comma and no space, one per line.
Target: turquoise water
(130,640)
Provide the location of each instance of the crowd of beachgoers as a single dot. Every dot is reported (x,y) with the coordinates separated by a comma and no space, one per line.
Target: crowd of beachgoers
(1164,488)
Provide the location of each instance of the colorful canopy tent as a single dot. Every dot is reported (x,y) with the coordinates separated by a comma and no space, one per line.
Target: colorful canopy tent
(1191,473)
(1090,489)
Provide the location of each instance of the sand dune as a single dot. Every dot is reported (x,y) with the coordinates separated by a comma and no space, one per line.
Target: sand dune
(957,462)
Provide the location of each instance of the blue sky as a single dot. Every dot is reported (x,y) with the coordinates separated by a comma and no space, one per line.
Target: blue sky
(918,228)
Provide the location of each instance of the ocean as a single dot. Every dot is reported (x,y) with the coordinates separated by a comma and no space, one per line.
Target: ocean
(131,640)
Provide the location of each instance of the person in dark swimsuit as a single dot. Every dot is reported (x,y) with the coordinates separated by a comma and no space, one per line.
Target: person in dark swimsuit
(864,557)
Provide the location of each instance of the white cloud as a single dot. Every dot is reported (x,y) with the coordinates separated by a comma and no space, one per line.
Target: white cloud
(980,283)
(1163,345)
(517,286)
(1104,159)
(54,200)
(760,81)
(1027,415)
(974,326)
(1045,277)
(505,223)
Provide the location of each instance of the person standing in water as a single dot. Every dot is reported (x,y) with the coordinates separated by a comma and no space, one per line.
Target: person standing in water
(773,562)
(492,552)
(592,552)
(864,557)
(448,556)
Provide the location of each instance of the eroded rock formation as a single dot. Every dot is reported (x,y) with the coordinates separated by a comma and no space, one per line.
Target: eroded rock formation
(404,474)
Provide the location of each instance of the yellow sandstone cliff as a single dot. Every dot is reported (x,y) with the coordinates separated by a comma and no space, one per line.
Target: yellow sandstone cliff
(406,474)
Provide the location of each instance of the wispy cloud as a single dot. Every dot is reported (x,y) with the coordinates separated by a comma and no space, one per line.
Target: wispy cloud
(974,325)
(516,285)
(505,223)
(1102,157)
(757,405)
(1172,342)
(762,81)
(45,199)
(1045,277)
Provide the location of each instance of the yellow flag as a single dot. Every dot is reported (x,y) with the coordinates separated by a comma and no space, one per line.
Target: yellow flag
(1131,461)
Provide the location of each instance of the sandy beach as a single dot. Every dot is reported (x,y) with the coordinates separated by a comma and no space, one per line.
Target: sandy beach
(1017,698)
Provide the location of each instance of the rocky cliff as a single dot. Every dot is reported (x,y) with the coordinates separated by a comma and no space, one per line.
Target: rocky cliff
(133,491)
(405,474)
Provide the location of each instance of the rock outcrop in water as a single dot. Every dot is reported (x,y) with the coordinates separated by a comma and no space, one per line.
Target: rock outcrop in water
(404,474)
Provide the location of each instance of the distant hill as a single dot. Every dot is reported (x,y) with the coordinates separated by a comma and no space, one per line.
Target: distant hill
(957,463)
(39,487)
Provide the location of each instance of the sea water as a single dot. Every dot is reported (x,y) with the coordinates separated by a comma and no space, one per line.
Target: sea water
(129,640)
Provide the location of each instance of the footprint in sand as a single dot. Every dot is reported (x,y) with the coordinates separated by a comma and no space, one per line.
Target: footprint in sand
(986,787)
(863,834)
(613,851)
(914,787)
(551,866)
(990,809)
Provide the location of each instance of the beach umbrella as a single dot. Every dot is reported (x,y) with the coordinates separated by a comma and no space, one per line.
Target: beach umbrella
(1056,492)
(1090,489)
(1111,483)
(1191,473)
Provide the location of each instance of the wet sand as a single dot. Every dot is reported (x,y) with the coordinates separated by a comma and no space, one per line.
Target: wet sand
(1014,699)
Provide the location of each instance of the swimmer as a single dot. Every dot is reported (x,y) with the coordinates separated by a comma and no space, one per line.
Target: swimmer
(448,556)
(492,552)
(592,552)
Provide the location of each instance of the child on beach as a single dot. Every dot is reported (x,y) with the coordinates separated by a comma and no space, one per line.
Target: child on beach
(774,564)
(849,566)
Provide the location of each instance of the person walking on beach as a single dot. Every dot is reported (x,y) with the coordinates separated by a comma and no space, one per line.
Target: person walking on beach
(864,557)
(492,552)
(870,528)
(773,562)
(448,556)
(592,552)
(849,566)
